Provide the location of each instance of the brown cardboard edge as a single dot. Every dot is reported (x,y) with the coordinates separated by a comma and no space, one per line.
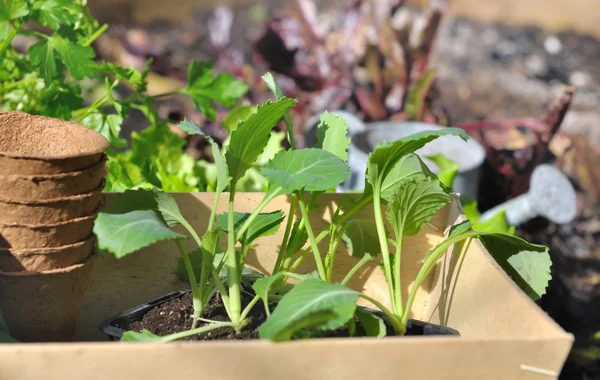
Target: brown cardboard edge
(417,358)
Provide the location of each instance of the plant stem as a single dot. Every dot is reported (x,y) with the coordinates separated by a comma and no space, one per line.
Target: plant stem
(249,307)
(298,261)
(213,212)
(11,35)
(269,196)
(383,243)
(330,258)
(365,259)
(222,291)
(311,238)
(431,260)
(396,323)
(96,34)
(286,234)
(199,330)
(397,274)
(233,278)
(196,295)
(362,203)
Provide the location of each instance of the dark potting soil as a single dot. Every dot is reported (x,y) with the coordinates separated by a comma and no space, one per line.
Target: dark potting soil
(176,315)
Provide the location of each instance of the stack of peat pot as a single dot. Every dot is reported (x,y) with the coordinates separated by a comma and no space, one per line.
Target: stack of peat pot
(51,180)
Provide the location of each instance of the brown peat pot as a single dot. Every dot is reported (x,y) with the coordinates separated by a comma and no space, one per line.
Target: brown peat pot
(37,145)
(26,188)
(46,235)
(44,306)
(50,210)
(44,259)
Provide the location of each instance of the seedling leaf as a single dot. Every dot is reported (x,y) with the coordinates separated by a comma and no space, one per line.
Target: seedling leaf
(371,323)
(269,79)
(361,238)
(332,135)
(251,137)
(310,304)
(123,234)
(448,169)
(527,264)
(312,169)
(222,170)
(265,224)
(387,154)
(410,166)
(195,259)
(144,336)
(414,203)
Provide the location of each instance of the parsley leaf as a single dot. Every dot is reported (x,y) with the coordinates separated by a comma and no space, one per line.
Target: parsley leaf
(204,88)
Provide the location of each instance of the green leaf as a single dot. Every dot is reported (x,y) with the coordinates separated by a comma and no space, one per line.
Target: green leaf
(203,88)
(17,9)
(361,238)
(142,199)
(273,147)
(10,10)
(222,170)
(496,223)
(42,55)
(265,224)
(414,203)
(60,101)
(250,276)
(251,137)
(130,75)
(199,73)
(108,125)
(144,336)
(310,304)
(409,167)
(469,207)
(387,154)
(448,169)
(177,171)
(460,228)
(269,79)
(195,260)
(527,264)
(312,169)
(298,239)
(332,135)
(53,13)
(262,286)
(49,55)
(122,234)
(236,116)
(371,323)
(5,336)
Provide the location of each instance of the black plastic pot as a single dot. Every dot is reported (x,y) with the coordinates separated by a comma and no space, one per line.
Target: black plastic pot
(114,327)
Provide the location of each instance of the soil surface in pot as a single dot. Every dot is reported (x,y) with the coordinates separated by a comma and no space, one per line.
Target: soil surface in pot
(176,315)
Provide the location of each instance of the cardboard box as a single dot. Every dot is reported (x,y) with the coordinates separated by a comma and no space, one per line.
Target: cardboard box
(504,335)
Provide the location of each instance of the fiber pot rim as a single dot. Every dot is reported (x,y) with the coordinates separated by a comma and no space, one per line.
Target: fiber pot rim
(52,271)
(68,198)
(59,224)
(34,177)
(47,250)
(63,123)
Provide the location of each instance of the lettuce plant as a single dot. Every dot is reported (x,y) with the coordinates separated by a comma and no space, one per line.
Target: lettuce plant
(399,188)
